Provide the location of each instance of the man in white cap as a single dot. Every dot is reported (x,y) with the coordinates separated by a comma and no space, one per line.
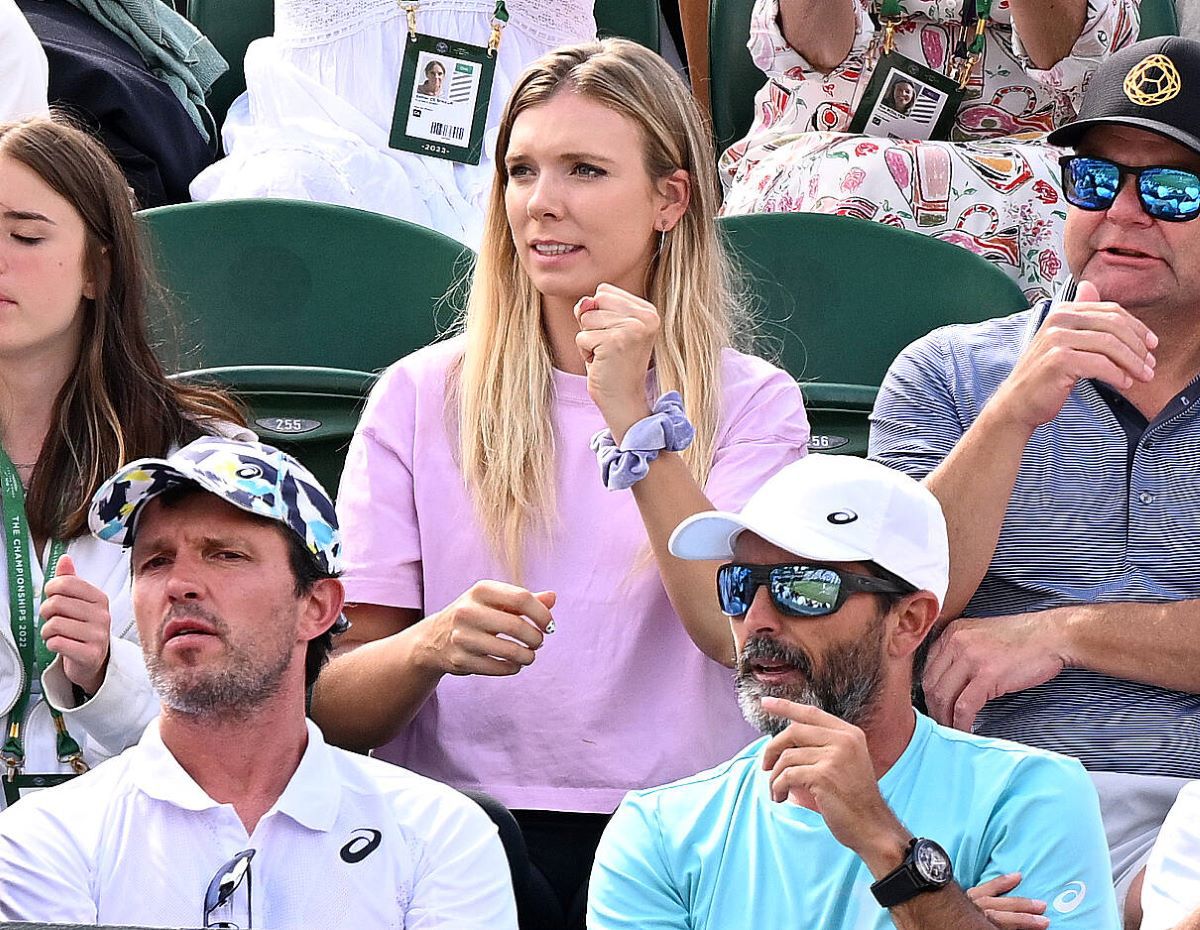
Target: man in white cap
(232,811)
(854,811)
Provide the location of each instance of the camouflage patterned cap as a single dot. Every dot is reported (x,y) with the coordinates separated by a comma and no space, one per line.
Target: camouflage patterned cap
(259,479)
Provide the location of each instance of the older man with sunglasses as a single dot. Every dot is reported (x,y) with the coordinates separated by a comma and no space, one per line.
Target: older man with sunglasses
(232,811)
(1064,445)
(854,812)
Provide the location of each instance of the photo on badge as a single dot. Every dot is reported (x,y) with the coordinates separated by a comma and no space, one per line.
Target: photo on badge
(432,86)
(906,100)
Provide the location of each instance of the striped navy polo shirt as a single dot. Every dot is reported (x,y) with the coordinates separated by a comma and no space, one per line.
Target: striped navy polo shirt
(1083,526)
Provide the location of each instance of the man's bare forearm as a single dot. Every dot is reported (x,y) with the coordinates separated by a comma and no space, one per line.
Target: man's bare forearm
(974,485)
(947,909)
(1156,644)
(821,31)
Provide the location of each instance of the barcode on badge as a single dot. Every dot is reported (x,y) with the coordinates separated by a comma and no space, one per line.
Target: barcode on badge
(443,131)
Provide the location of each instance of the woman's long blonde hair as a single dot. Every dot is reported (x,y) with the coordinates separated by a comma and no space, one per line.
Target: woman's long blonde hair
(501,392)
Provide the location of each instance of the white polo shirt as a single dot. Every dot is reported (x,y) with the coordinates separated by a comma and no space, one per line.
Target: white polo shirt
(1172,888)
(136,841)
(24,70)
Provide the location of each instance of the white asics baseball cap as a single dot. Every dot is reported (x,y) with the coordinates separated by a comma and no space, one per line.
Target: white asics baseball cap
(831,508)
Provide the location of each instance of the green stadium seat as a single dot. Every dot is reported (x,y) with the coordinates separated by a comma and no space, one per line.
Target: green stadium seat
(308,412)
(839,417)
(231,25)
(1158,19)
(838,298)
(286,282)
(735,78)
(633,19)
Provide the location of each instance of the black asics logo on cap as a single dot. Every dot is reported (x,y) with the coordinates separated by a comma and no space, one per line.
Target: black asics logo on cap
(362,843)
(839,517)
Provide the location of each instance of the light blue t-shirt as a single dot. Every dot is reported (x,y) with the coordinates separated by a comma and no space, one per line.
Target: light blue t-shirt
(714,852)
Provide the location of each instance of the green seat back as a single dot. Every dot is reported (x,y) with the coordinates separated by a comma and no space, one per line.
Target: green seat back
(838,416)
(839,297)
(308,412)
(735,77)
(231,25)
(286,282)
(1158,19)
(633,19)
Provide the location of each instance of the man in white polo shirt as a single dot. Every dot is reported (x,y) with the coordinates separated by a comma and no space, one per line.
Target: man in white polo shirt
(232,810)
(1171,895)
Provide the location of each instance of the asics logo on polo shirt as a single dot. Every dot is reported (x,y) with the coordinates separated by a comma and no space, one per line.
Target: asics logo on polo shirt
(840,517)
(1070,899)
(249,471)
(362,843)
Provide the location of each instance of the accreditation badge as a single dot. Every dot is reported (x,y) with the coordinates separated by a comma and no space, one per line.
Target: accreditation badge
(442,100)
(906,100)
(20,786)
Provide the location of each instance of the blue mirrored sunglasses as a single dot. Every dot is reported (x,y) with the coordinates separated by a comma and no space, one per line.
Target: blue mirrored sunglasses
(1171,194)
(796,590)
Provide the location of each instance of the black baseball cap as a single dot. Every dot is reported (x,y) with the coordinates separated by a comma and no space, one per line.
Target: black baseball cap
(1153,85)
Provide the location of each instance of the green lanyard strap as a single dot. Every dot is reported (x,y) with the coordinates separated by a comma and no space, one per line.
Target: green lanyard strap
(35,654)
(890,14)
(890,9)
(983,10)
(499,21)
(966,64)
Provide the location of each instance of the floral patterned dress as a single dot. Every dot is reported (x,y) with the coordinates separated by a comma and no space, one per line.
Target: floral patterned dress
(993,189)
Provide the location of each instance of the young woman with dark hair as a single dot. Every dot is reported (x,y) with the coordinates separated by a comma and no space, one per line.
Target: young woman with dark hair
(81,393)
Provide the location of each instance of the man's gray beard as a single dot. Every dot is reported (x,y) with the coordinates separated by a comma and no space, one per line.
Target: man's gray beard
(231,693)
(847,685)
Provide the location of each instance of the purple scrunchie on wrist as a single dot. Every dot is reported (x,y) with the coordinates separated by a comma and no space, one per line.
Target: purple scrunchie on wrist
(667,428)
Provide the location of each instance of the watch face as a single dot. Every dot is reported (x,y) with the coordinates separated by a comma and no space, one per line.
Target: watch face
(932,863)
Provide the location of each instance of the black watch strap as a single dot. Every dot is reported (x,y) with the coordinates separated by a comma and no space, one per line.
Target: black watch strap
(907,881)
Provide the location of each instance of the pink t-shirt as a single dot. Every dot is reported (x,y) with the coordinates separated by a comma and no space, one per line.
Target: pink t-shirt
(619,697)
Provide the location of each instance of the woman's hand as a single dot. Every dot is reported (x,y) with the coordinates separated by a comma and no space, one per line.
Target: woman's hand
(617,332)
(492,629)
(76,624)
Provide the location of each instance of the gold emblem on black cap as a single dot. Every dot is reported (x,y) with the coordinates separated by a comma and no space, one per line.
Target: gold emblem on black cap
(1152,81)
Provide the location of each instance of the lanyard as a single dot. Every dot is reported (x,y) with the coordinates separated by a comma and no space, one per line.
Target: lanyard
(965,56)
(499,21)
(35,655)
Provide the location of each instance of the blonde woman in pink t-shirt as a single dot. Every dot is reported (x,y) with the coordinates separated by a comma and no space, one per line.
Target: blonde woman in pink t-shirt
(522,628)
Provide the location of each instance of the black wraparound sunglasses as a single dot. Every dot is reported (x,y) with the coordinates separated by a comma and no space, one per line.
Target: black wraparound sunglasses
(1165,193)
(796,589)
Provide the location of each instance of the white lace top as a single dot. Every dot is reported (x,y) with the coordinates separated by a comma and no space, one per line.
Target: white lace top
(311,22)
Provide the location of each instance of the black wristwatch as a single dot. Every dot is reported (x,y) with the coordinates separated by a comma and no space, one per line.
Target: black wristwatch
(925,868)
